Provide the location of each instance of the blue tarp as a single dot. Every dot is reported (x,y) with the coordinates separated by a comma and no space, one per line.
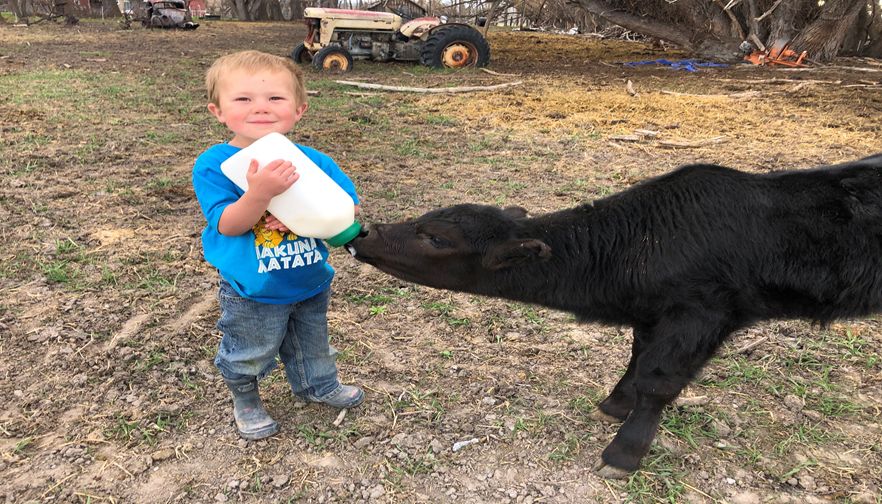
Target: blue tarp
(690,65)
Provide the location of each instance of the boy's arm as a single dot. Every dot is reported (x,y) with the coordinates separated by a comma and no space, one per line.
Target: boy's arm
(239,217)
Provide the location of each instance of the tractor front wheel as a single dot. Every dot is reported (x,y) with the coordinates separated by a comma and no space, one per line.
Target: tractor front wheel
(301,55)
(333,58)
(455,46)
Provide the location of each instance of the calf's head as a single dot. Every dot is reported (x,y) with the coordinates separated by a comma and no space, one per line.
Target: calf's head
(458,248)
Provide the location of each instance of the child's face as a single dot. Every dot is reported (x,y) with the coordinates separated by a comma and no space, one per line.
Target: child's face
(253,104)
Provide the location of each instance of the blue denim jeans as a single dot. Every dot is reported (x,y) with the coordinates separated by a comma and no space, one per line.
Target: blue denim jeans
(254,333)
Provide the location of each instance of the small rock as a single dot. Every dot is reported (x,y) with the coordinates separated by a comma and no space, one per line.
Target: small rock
(140,464)
(865,497)
(807,482)
(436,445)
(813,415)
(18,393)
(721,428)
(221,497)
(377,492)
(280,480)
(363,442)
(792,482)
(162,454)
(793,403)
(233,484)
(730,481)
(459,445)
(488,401)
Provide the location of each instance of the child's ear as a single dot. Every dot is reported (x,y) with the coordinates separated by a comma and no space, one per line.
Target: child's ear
(215,111)
(300,110)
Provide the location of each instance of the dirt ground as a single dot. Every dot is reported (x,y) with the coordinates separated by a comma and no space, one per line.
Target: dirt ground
(107,310)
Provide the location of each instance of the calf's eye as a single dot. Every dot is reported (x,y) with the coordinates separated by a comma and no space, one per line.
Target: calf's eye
(438,242)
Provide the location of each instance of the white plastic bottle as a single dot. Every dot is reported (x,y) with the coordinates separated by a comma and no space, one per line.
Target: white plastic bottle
(315,206)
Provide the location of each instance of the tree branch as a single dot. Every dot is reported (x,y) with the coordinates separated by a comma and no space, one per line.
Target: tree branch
(732,18)
(772,8)
(645,25)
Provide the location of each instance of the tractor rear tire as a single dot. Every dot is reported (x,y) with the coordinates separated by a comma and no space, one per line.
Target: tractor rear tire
(301,55)
(455,46)
(333,58)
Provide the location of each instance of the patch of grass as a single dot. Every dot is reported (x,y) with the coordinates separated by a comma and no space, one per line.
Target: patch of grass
(689,424)
(538,422)
(446,311)
(370,299)
(319,437)
(803,435)
(22,445)
(738,370)
(60,271)
(584,405)
(797,468)
(414,401)
(440,120)
(566,450)
(146,431)
(835,406)
(154,358)
(410,148)
(155,280)
(660,480)
(378,303)
(413,465)
(857,349)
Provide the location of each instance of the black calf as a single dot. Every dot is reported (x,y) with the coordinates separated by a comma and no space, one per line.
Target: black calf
(685,259)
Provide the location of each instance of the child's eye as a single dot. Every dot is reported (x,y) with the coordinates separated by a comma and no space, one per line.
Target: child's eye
(241,99)
(277,98)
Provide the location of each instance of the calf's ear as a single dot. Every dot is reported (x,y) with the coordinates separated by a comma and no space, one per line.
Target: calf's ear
(514,252)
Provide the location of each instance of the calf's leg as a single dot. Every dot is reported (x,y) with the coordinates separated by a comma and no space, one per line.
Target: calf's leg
(619,403)
(678,349)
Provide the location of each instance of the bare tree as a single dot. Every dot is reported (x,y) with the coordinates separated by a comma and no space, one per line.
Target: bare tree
(824,36)
(109,8)
(21,9)
(716,28)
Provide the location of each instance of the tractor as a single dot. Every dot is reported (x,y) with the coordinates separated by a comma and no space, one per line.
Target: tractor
(336,37)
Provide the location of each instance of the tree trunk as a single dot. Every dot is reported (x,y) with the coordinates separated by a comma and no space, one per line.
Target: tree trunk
(241,10)
(781,21)
(697,41)
(823,38)
(110,9)
(19,10)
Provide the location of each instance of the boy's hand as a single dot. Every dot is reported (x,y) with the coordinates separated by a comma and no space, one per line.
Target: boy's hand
(274,224)
(272,180)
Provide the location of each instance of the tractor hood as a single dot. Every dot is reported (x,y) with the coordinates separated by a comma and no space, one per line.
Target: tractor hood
(355,18)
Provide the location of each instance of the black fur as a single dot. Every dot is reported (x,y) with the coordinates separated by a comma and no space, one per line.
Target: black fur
(685,259)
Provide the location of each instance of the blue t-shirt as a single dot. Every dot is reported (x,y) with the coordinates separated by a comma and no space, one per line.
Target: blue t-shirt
(263,265)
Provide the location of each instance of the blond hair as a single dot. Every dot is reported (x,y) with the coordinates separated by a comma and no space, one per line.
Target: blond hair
(253,61)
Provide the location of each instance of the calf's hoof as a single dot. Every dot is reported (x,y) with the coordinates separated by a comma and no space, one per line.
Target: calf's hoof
(609,472)
(600,416)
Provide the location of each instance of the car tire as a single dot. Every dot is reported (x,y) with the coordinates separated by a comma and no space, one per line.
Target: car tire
(455,46)
(332,59)
(301,55)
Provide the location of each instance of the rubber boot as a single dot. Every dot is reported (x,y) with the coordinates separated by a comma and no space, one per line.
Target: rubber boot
(347,396)
(252,420)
